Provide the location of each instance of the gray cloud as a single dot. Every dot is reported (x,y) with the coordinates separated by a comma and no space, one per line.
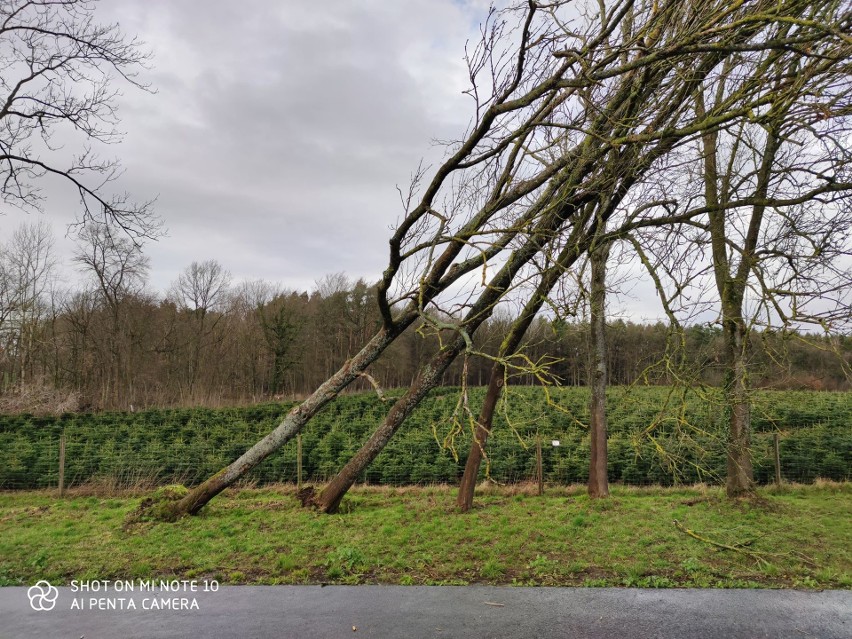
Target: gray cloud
(278,131)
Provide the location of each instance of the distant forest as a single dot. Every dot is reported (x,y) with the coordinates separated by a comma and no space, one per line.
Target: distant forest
(207,342)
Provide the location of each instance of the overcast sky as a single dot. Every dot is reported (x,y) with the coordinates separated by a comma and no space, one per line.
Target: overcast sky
(279,130)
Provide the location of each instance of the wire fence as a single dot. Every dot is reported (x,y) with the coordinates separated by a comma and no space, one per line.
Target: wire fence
(653,440)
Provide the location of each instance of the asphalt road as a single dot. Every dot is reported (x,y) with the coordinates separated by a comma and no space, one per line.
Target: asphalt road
(413,612)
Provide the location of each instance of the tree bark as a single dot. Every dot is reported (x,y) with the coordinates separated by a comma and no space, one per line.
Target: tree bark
(598,485)
(740,479)
(467,487)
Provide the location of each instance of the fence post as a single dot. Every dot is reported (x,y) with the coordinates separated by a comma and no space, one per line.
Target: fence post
(777,445)
(538,465)
(299,461)
(62,464)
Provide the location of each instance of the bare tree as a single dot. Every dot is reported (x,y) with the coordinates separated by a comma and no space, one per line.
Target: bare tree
(119,272)
(564,118)
(27,273)
(58,74)
(767,242)
(117,264)
(787,250)
(200,289)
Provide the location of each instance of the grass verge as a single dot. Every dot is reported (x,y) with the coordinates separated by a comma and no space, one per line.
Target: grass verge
(796,536)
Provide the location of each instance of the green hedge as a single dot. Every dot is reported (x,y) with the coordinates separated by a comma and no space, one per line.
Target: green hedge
(657,435)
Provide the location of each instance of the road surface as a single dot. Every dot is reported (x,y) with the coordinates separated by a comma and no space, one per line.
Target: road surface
(413,612)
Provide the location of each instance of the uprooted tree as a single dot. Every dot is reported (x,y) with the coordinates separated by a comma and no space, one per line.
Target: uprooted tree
(573,107)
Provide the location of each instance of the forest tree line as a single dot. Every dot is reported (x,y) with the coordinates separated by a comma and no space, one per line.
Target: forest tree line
(112,342)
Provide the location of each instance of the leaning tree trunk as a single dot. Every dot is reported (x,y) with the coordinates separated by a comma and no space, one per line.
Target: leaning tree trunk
(429,377)
(198,497)
(740,480)
(598,483)
(511,342)
(467,487)
(510,345)
(430,374)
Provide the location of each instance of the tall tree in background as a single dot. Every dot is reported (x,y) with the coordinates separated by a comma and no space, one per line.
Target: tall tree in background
(27,273)
(118,271)
(280,328)
(199,290)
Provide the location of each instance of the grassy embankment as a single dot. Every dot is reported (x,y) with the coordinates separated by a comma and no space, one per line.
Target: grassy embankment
(796,536)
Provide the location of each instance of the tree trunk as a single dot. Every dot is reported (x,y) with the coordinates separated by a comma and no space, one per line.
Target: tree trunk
(731,286)
(430,375)
(740,480)
(287,429)
(509,346)
(480,436)
(598,485)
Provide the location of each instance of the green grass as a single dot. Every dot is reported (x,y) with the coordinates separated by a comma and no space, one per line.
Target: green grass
(799,536)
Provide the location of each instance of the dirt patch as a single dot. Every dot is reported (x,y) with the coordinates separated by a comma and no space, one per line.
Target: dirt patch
(32,511)
(157,507)
(306,496)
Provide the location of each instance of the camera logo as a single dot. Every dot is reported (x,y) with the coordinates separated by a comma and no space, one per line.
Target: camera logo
(42,596)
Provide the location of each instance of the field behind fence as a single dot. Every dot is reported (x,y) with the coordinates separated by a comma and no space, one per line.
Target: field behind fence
(658,435)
